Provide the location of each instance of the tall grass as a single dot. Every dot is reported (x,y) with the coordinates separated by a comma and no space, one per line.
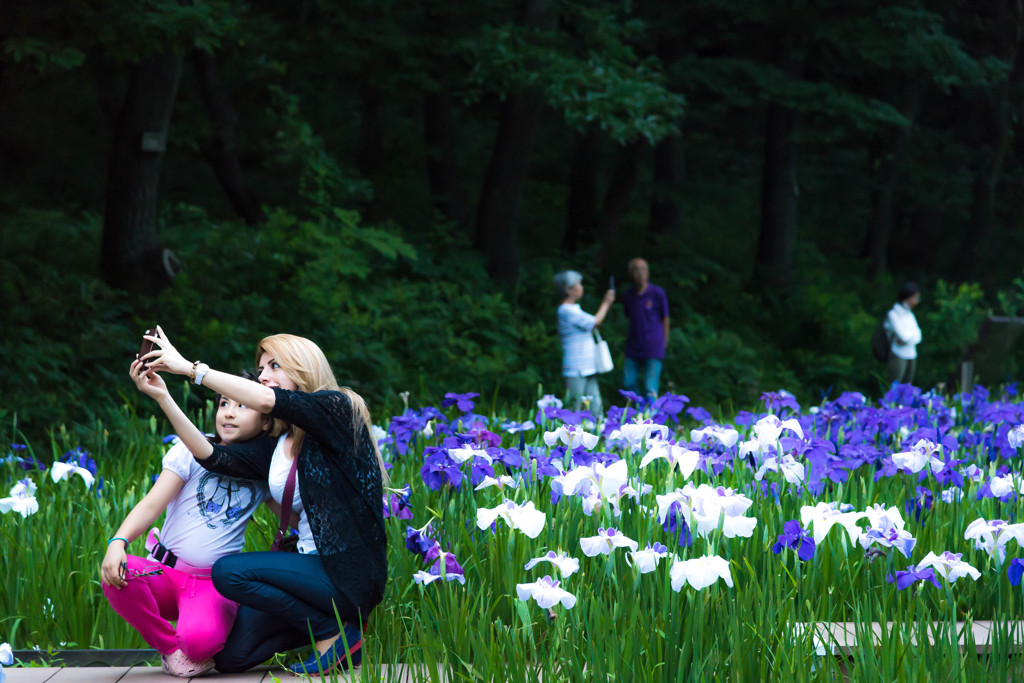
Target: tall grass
(625,626)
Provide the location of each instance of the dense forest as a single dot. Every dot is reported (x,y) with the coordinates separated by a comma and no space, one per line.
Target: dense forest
(401,180)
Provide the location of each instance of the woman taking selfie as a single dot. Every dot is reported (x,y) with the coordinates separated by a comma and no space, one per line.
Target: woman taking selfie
(325,446)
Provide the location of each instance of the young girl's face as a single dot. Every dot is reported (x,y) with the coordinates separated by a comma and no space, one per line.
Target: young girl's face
(236,423)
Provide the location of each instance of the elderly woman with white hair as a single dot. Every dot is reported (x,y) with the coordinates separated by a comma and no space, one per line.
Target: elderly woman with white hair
(575,329)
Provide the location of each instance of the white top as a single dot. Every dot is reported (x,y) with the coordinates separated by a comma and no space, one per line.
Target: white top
(279,467)
(207,520)
(904,334)
(575,329)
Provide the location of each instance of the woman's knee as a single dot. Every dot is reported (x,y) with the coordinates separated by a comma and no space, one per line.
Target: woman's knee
(227,574)
(232,662)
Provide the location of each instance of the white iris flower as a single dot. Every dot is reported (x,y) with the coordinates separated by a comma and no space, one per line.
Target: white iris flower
(63,470)
(567,566)
(22,499)
(546,592)
(527,518)
(700,572)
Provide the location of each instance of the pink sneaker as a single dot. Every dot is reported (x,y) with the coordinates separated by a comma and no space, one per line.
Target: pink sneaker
(181,665)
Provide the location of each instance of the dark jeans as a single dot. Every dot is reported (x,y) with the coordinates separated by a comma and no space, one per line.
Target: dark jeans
(282,598)
(652,373)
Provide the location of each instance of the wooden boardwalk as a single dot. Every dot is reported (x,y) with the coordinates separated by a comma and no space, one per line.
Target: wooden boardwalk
(836,638)
(397,673)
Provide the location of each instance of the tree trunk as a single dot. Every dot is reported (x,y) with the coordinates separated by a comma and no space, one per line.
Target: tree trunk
(777,239)
(617,200)
(370,148)
(581,205)
(991,124)
(132,258)
(498,211)
(666,195)
(222,151)
(886,160)
(442,165)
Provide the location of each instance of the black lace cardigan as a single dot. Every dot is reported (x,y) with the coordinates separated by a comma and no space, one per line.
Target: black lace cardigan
(340,484)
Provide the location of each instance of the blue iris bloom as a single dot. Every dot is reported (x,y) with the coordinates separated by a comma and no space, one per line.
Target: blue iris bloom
(1014,571)
(463,402)
(907,578)
(80,457)
(796,538)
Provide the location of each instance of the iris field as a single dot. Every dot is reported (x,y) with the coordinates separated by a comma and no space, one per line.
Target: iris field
(654,543)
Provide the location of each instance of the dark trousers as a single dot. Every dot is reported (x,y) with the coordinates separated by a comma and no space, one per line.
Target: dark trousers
(283,598)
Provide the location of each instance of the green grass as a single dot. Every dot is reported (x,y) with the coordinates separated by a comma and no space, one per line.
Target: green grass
(624,627)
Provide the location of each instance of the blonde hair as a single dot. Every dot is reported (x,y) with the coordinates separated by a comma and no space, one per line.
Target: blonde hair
(306,365)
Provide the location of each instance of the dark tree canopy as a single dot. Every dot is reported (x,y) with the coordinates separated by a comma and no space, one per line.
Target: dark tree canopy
(377,174)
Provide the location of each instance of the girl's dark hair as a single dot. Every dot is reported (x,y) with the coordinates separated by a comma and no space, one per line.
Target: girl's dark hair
(908,290)
(248,373)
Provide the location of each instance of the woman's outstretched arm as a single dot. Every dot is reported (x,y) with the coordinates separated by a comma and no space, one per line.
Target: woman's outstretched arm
(166,358)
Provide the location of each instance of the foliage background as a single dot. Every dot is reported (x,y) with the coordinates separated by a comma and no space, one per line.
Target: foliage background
(405,281)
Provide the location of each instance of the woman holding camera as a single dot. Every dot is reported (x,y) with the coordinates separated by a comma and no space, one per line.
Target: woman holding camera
(324,446)
(575,329)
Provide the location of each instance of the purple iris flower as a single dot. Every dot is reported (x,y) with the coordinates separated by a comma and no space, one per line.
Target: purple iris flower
(470,422)
(1010,389)
(80,457)
(1014,571)
(675,522)
(396,504)
(886,468)
(699,414)
(950,474)
(438,469)
(775,401)
(902,395)
(921,501)
(451,565)
(403,429)
(418,541)
(769,489)
(851,400)
(796,538)
(568,417)
(632,396)
(616,418)
(169,438)
(668,406)
(478,470)
(463,402)
(18,447)
(544,464)
(907,578)
(485,438)
(746,418)
(509,457)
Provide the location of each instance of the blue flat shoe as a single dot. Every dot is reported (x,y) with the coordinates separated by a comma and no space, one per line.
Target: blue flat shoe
(336,658)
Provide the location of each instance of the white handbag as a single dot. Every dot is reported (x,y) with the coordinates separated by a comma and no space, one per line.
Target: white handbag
(602,354)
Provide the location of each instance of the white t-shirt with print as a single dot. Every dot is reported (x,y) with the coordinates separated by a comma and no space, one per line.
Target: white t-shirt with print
(279,467)
(207,520)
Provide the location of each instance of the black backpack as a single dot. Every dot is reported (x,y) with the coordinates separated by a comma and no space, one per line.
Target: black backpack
(880,347)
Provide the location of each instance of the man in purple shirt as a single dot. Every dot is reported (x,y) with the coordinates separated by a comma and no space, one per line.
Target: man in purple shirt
(647,311)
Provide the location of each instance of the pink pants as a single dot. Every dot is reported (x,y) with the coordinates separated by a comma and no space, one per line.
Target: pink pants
(150,603)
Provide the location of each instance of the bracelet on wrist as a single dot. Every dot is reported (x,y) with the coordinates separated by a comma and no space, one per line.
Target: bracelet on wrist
(118,538)
(192,375)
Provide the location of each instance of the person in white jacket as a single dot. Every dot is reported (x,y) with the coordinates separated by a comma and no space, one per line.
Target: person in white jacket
(904,334)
